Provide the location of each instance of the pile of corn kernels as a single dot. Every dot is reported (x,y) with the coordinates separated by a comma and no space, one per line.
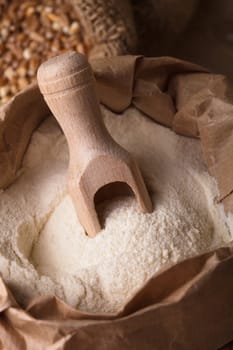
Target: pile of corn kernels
(30,32)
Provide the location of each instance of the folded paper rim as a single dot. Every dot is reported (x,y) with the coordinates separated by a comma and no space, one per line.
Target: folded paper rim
(194,103)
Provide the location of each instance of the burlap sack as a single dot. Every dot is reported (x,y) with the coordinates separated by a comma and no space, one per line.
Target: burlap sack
(188,306)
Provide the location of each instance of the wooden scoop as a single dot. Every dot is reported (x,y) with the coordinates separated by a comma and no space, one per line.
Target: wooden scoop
(96,160)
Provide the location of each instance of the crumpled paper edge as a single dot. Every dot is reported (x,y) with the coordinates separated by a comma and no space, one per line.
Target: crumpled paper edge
(191,311)
(160,313)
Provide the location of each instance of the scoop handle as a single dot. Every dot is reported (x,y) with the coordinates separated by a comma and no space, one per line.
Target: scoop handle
(68,86)
(96,160)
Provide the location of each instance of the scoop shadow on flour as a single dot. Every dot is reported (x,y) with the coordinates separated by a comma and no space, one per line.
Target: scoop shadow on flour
(114,191)
(109,192)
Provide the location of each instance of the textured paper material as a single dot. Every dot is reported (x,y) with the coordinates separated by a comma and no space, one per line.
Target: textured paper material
(188,306)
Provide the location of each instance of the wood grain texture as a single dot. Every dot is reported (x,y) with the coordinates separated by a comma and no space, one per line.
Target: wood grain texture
(96,160)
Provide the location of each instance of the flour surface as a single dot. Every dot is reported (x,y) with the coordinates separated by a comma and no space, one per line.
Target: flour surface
(44,250)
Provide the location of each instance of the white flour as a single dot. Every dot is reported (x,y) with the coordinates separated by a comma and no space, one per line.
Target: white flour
(43,248)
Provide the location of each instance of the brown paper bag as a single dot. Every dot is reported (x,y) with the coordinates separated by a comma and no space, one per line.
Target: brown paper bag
(188,306)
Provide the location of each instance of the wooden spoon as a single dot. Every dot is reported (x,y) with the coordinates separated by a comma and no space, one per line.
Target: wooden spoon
(96,160)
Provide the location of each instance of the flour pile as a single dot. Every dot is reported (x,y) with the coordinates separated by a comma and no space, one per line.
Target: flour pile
(44,250)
